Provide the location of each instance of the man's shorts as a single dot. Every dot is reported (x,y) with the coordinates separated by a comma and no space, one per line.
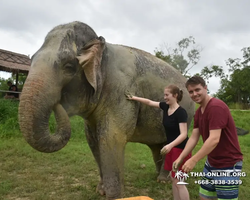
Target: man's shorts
(171,157)
(221,183)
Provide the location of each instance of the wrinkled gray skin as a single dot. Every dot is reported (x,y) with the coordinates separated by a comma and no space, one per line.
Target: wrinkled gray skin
(75,72)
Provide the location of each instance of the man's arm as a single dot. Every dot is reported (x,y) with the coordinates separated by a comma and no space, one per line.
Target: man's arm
(208,146)
(191,143)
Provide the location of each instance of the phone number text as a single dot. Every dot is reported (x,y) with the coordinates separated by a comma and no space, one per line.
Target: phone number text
(219,182)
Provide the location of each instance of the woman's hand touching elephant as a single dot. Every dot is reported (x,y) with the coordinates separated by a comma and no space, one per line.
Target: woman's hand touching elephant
(128,95)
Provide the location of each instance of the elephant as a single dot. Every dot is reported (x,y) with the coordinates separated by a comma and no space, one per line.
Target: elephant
(76,72)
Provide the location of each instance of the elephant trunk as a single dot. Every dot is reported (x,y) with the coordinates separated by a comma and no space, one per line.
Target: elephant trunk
(36,105)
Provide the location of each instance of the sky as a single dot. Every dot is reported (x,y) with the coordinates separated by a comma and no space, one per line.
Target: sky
(220,28)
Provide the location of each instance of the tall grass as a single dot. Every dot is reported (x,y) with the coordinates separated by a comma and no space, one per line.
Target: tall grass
(240,106)
(8,118)
(9,126)
(72,173)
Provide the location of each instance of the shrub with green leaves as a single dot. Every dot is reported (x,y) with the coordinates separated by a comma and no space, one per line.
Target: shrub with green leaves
(9,126)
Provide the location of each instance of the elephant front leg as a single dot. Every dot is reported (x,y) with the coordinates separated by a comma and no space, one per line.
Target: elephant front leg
(108,149)
(112,166)
(94,146)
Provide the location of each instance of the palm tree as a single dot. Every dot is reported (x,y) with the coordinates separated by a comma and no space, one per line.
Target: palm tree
(185,176)
(178,174)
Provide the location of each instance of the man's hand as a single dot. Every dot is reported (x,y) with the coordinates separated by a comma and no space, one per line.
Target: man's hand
(189,165)
(128,95)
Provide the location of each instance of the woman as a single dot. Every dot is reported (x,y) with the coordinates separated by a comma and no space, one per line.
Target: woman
(175,124)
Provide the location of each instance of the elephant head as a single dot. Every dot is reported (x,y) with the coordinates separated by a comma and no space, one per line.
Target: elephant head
(65,73)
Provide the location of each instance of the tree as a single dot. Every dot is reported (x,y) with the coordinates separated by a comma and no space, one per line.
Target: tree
(21,80)
(176,58)
(4,86)
(214,70)
(235,87)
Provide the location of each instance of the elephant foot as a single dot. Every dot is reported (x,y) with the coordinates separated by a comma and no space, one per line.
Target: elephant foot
(100,189)
(110,195)
(164,177)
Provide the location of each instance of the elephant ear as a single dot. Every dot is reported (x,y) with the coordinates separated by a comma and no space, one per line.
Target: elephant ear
(90,59)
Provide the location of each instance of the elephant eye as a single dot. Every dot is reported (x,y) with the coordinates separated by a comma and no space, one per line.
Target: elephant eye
(69,69)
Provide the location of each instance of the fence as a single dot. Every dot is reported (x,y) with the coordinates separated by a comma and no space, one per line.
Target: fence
(10,91)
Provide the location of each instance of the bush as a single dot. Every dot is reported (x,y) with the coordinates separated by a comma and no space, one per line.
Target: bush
(77,126)
(239,106)
(9,126)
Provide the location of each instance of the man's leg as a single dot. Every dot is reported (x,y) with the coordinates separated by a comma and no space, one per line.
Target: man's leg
(207,191)
(203,198)
(227,184)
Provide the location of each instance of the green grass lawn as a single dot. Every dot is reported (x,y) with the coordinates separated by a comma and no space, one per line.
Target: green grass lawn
(71,173)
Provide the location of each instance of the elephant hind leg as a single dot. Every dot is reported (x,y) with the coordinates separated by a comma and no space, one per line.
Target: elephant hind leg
(100,188)
(163,175)
(158,158)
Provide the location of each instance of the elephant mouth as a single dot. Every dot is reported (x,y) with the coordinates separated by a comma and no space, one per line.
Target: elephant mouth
(64,100)
(67,105)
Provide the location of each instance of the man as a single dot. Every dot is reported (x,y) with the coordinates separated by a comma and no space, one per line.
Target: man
(213,121)
(12,95)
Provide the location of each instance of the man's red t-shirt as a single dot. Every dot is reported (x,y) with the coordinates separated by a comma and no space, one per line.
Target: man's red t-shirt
(217,116)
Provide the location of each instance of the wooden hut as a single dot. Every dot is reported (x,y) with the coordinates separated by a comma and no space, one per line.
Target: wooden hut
(14,62)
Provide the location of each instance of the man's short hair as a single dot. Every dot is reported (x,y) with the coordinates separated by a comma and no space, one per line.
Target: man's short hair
(9,82)
(195,80)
